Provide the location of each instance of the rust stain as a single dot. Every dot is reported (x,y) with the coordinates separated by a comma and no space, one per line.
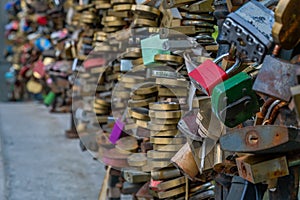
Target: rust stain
(244,170)
(277,173)
(279,138)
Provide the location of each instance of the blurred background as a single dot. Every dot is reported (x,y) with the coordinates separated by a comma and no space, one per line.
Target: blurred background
(37,161)
(4,65)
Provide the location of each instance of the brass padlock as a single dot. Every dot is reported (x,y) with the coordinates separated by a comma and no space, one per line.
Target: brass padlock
(285,30)
(257,169)
(183,156)
(176,3)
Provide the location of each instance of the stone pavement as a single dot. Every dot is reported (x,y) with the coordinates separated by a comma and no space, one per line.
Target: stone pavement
(37,162)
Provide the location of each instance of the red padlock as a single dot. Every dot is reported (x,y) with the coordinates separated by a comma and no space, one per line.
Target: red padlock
(38,69)
(207,75)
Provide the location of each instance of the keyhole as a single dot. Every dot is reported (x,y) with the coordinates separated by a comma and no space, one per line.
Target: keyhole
(252,138)
(241,41)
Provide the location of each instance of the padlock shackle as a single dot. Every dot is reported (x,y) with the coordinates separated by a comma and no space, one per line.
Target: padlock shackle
(220,58)
(234,67)
(270,109)
(274,113)
(266,105)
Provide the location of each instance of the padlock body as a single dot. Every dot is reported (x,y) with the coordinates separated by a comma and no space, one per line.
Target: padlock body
(234,101)
(275,78)
(261,139)
(208,75)
(250,29)
(257,169)
(150,47)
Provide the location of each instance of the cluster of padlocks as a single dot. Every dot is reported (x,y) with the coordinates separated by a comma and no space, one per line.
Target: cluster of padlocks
(183,99)
(41,51)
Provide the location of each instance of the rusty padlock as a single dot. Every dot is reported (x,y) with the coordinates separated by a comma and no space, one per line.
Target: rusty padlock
(275,78)
(261,139)
(257,169)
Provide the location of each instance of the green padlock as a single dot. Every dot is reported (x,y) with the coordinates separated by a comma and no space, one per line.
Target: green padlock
(152,46)
(234,101)
(49,98)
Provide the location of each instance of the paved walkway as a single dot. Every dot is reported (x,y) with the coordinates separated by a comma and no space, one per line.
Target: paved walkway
(38,162)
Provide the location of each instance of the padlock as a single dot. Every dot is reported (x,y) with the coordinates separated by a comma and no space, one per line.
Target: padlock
(234,101)
(286,28)
(275,78)
(201,7)
(206,153)
(197,23)
(250,30)
(257,169)
(126,65)
(208,124)
(261,139)
(38,69)
(116,131)
(148,12)
(203,16)
(173,45)
(152,46)
(183,156)
(207,75)
(176,3)
(135,176)
(188,126)
(170,16)
(49,99)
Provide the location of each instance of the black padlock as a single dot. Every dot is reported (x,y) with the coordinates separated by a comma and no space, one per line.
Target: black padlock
(250,30)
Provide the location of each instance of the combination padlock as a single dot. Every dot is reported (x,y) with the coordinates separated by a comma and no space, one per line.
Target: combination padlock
(207,75)
(234,101)
(250,30)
